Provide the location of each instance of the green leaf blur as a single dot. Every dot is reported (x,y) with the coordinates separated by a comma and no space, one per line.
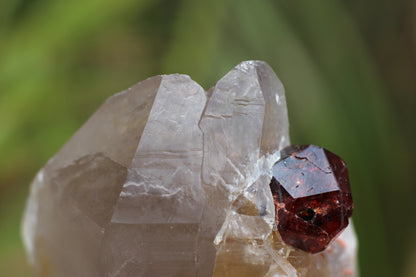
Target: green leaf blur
(348,67)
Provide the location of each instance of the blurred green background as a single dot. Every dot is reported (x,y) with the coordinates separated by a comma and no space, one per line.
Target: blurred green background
(348,67)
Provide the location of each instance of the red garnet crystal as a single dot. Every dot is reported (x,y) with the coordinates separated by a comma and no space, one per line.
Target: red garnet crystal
(312,196)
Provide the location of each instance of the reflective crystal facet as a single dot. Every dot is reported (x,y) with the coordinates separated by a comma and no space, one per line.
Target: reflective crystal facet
(166,179)
(312,196)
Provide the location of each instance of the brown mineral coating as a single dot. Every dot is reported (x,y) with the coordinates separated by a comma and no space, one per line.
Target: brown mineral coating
(312,195)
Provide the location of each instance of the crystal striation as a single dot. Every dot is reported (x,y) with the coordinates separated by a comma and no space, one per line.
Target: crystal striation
(166,179)
(312,195)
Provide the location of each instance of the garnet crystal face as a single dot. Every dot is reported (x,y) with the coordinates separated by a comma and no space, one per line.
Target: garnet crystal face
(312,196)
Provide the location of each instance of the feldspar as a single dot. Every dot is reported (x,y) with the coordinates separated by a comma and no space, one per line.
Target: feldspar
(312,195)
(166,179)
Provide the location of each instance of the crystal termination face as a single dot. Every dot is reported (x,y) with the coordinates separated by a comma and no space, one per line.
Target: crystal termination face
(312,196)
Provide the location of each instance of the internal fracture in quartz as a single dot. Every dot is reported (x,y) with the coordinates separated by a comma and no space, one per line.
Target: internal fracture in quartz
(167,179)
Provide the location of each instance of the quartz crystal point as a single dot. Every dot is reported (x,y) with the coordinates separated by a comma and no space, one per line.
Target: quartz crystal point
(166,179)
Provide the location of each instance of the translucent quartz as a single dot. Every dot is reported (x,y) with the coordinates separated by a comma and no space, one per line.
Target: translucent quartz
(166,179)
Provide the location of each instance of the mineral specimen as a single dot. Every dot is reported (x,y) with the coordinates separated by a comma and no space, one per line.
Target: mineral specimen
(312,196)
(166,179)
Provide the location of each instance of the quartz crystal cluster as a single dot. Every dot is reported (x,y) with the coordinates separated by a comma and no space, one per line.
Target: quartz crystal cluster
(167,179)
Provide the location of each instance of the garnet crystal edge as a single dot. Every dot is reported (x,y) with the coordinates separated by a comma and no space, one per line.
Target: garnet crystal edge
(312,196)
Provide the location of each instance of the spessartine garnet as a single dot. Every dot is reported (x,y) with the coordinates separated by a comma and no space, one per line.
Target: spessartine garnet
(312,196)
